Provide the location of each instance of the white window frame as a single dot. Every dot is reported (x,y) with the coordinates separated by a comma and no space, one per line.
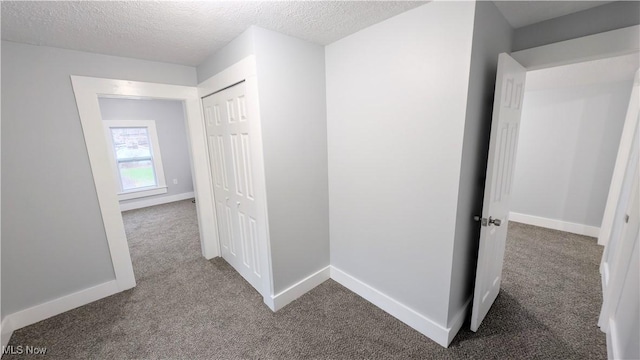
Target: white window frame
(150,125)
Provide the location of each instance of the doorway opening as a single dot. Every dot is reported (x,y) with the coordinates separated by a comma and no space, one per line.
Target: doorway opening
(571,124)
(574,122)
(106,177)
(148,150)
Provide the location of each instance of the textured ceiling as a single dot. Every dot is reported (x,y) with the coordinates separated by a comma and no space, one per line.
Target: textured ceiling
(621,68)
(523,13)
(182,32)
(186,32)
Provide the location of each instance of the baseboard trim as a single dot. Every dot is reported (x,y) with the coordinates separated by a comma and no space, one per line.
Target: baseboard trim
(436,332)
(155,201)
(458,320)
(32,315)
(419,322)
(300,288)
(616,350)
(5,334)
(574,228)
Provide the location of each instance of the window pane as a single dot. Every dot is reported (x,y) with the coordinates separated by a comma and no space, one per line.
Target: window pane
(136,174)
(131,143)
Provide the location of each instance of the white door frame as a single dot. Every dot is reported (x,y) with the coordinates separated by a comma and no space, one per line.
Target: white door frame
(87,90)
(591,47)
(245,70)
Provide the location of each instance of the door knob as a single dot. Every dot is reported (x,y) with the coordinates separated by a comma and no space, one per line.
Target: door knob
(238,203)
(487,222)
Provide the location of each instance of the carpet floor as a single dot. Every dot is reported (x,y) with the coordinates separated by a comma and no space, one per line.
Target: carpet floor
(185,307)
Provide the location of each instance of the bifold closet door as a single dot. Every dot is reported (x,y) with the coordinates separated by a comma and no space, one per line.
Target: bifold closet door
(230,140)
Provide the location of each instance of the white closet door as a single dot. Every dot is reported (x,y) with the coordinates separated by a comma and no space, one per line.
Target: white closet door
(232,152)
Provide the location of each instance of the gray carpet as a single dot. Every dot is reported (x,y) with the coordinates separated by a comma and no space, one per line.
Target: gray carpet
(185,307)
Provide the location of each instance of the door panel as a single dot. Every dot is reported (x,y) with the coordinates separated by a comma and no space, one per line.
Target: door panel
(230,230)
(246,153)
(253,234)
(224,238)
(237,166)
(230,136)
(503,144)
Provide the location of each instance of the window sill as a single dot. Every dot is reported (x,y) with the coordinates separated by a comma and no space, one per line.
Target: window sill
(142,193)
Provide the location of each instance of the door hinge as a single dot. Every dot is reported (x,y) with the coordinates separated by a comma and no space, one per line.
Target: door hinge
(626,218)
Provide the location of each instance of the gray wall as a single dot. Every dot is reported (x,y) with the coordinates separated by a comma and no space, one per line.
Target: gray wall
(491,36)
(567,148)
(603,18)
(172,137)
(396,105)
(50,214)
(291,81)
(234,51)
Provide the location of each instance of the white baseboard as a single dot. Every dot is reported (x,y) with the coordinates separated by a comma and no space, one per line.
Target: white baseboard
(155,201)
(305,285)
(436,332)
(574,228)
(609,346)
(5,334)
(613,341)
(52,308)
(458,320)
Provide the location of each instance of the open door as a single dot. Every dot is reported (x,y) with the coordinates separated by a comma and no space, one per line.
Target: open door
(505,125)
(620,313)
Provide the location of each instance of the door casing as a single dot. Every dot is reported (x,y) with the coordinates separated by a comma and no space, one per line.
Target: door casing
(87,90)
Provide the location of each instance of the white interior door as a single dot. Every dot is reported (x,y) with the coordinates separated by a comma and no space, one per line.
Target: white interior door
(230,135)
(620,314)
(505,125)
(619,183)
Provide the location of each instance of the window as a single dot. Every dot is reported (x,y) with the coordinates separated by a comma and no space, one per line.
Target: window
(135,156)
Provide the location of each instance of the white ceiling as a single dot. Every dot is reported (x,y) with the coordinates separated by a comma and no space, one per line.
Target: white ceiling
(186,32)
(182,32)
(523,13)
(621,68)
